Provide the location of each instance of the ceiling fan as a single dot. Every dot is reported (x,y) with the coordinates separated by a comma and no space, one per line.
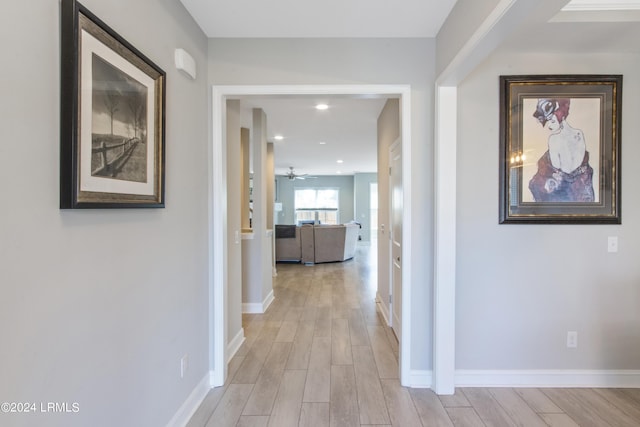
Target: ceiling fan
(292,175)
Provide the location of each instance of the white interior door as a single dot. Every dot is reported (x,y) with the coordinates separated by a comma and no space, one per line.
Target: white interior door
(395,190)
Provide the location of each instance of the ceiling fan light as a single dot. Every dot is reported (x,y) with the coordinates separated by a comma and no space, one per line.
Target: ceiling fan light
(292,175)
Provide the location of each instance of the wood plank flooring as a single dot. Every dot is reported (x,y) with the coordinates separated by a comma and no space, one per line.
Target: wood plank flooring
(322,356)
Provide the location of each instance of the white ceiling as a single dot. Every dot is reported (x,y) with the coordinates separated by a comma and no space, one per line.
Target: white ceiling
(329,18)
(582,26)
(349,126)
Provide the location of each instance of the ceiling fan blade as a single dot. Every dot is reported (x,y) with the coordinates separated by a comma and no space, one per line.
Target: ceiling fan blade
(292,175)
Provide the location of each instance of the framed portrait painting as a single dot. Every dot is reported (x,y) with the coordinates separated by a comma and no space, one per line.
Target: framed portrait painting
(560,149)
(112,118)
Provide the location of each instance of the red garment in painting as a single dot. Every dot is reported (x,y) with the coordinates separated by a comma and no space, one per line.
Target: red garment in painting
(550,184)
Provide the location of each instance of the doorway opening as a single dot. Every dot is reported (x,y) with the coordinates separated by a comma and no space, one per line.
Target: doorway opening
(218,233)
(373,213)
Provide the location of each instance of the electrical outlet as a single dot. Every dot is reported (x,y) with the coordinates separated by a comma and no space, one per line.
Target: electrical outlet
(184,365)
(572,339)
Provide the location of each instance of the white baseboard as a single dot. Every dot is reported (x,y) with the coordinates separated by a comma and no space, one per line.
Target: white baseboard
(256,307)
(267,301)
(548,378)
(252,307)
(384,308)
(534,378)
(421,379)
(234,345)
(189,407)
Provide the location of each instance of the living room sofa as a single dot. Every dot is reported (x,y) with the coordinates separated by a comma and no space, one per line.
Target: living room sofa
(312,244)
(294,243)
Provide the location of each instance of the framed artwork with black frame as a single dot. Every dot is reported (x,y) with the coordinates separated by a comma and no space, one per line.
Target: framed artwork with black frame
(112,119)
(560,149)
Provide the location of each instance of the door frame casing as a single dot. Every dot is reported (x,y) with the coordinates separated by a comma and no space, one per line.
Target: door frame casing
(390,309)
(217,204)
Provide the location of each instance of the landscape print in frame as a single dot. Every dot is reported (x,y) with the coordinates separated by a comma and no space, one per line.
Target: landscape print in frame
(112,118)
(560,149)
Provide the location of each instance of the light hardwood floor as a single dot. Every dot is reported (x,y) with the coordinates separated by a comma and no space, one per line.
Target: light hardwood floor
(322,356)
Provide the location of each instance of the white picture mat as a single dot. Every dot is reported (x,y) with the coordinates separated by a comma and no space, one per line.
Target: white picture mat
(91,45)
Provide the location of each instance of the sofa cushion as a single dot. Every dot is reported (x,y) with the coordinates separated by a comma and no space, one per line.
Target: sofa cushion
(285,231)
(318,243)
(288,249)
(352,231)
(335,242)
(329,242)
(307,244)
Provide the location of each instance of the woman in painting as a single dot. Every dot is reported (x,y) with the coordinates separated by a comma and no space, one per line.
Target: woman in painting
(564,173)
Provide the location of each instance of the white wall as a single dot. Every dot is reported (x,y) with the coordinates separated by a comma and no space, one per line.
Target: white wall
(357,61)
(98,306)
(520,288)
(463,20)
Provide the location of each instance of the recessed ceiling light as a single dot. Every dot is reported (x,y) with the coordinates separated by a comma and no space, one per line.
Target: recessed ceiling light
(322,143)
(339,161)
(322,107)
(278,137)
(339,173)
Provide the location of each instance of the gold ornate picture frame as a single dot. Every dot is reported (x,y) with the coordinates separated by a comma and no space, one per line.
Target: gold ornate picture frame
(560,149)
